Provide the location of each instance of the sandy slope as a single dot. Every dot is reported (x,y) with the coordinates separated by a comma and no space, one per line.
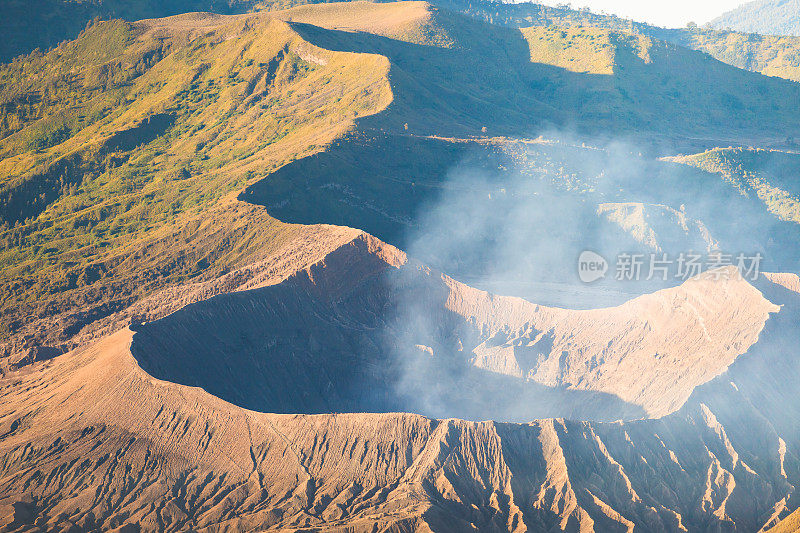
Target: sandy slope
(341,333)
(90,439)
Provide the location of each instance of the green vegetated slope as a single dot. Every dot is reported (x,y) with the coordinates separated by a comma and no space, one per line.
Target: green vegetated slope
(776,17)
(126,142)
(767,54)
(770,175)
(123,138)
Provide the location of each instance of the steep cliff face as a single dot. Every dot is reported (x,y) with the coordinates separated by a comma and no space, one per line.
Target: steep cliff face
(94,440)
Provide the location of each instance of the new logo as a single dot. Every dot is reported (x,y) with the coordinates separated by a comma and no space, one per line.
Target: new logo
(591,266)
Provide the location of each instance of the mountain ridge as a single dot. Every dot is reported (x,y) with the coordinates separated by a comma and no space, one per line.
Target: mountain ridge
(766,54)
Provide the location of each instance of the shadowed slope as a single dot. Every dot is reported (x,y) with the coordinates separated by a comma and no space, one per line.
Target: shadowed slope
(771,55)
(513,77)
(331,339)
(533,206)
(365,330)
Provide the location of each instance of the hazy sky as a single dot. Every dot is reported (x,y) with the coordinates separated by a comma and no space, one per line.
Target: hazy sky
(670,13)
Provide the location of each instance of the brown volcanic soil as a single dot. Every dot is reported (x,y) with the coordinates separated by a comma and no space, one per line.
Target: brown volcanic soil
(231,234)
(354,333)
(90,440)
(652,351)
(333,338)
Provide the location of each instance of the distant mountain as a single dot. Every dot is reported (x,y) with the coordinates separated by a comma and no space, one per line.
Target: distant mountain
(767,17)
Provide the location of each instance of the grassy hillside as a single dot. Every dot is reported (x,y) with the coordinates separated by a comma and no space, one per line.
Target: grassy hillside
(139,133)
(772,176)
(769,55)
(768,17)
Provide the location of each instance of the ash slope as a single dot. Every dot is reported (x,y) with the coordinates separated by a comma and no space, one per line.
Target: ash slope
(342,334)
(90,440)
